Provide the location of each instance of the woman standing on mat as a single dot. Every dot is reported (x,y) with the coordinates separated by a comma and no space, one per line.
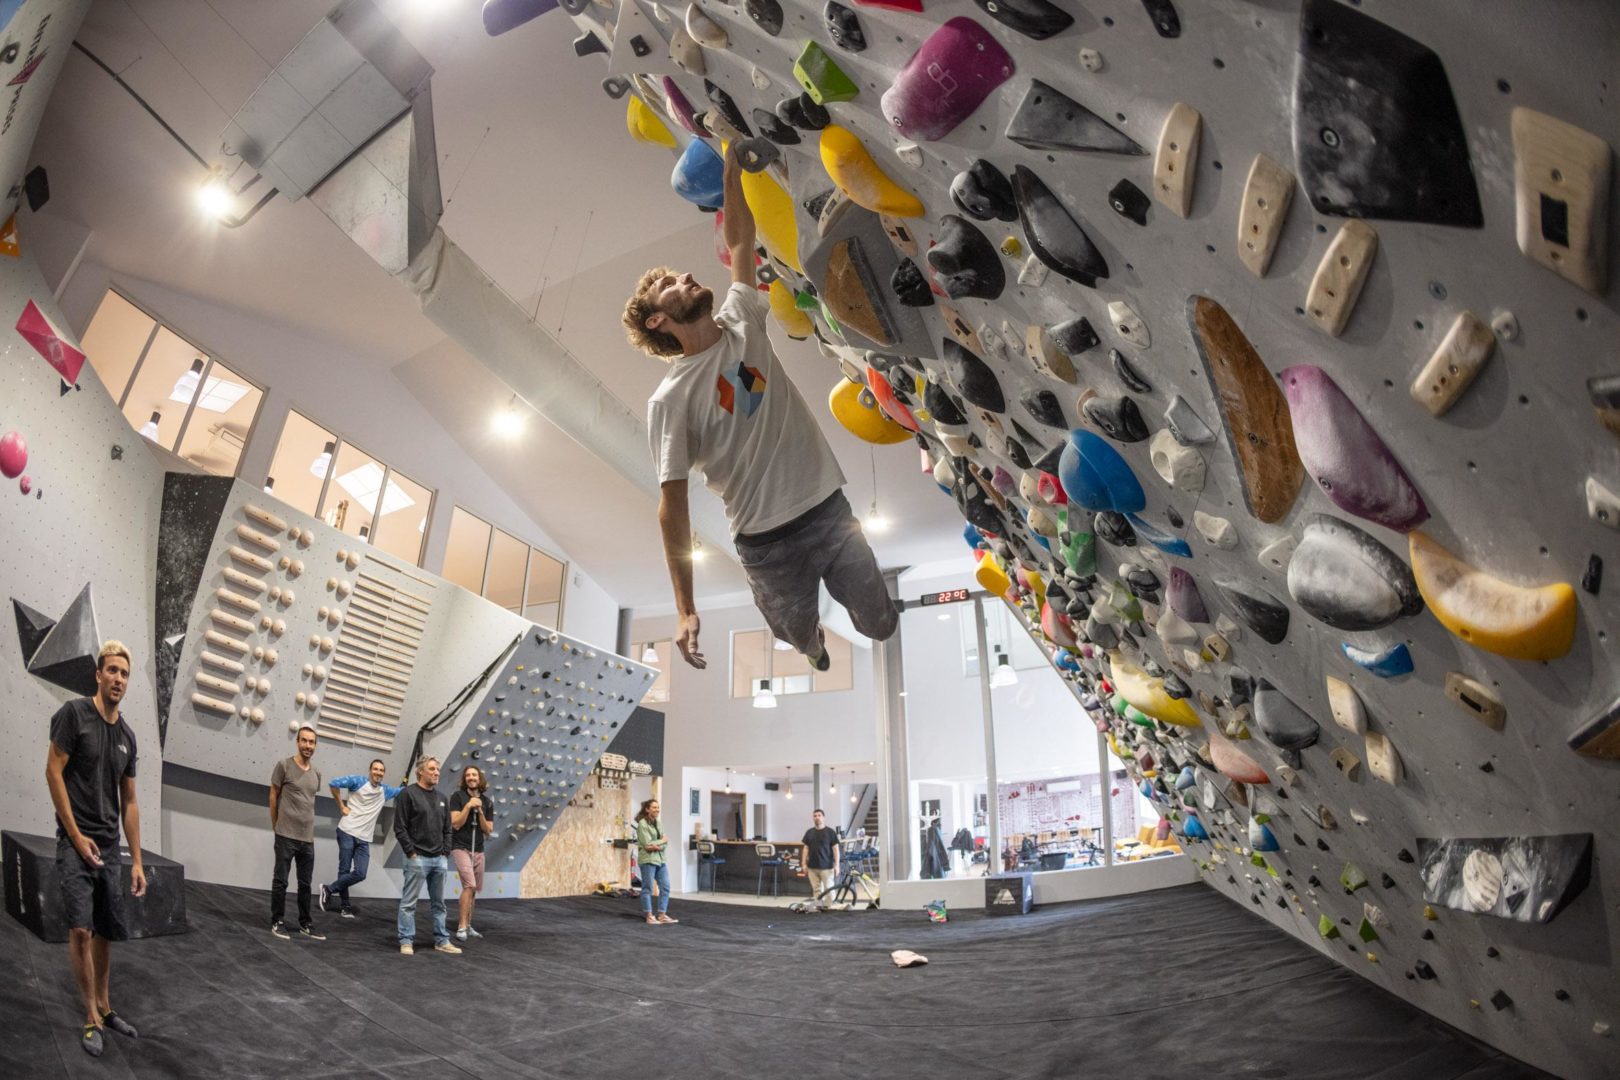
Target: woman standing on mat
(650,845)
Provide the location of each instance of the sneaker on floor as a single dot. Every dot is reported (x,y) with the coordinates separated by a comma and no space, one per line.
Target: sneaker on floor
(473,933)
(651,921)
(120,1025)
(325,895)
(461,935)
(447,947)
(406,948)
(92,1042)
(667,921)
(310,933)
(280,931)
(347,913)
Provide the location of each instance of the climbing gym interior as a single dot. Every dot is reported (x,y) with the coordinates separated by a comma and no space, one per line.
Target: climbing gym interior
(1227,391)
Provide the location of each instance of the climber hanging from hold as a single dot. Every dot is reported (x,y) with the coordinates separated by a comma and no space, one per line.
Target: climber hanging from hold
(727,407)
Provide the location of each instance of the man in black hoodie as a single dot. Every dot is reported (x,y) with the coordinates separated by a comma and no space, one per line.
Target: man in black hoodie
(422,827)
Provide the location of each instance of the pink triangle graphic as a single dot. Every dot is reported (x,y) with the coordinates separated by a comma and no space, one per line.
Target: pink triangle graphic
(37,329)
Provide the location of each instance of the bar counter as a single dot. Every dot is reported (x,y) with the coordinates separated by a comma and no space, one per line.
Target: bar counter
(740,874)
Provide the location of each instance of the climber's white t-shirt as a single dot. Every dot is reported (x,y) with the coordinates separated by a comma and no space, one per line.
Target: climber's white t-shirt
(732,412)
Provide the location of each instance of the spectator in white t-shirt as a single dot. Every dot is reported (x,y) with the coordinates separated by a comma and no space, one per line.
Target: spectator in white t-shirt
(727,407)
(360,799)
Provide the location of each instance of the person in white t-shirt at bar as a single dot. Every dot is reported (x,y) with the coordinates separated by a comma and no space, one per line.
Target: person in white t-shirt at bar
(727,407)
(360,799)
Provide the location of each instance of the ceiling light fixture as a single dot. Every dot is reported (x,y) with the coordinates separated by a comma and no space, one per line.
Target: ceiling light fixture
(698,554)
(764,696)
(323,461)
(649,655)
(728,781)
(149,430)
(215,197)
(1004,674)
(218,395)
(832,785)
(875,521)
(790,782)
(509,422)
(269,485)
(364,483)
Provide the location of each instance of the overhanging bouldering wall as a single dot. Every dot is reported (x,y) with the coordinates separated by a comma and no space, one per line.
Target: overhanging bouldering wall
(1269,352)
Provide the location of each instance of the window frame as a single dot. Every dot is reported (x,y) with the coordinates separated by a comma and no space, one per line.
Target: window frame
(770,668)
(528,563)
(159,322)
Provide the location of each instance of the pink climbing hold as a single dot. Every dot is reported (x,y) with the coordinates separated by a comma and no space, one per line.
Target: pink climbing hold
(1057,627)
(681,109)
(1233,763)
(25,485)
(945,80)
(38,331)
(13,454)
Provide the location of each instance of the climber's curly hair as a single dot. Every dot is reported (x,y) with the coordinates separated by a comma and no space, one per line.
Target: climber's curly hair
(642,306)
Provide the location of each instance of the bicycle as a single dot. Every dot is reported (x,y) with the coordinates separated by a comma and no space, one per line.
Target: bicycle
(853,882)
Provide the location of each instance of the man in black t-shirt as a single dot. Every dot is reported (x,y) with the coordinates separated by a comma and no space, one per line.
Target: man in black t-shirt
(818,854)
(90,771)
(472,820)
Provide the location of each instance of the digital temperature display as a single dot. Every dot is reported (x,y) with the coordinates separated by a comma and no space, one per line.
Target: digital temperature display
(949,596)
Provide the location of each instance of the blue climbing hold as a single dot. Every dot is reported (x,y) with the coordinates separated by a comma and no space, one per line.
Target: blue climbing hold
(1167,542)
(1147,790)
(1193,829)
(699,175)
(1260,838)
(1393,661)
(1187,779)
(1096,477)
(1065,661)
(972,535)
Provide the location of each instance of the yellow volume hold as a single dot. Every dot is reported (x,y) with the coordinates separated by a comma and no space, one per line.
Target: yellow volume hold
(1525,623)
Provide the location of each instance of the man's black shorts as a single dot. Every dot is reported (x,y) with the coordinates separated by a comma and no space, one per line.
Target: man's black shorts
(92,897)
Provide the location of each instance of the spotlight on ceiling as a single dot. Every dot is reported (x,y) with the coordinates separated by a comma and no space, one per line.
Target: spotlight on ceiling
(215,197)
(649,655)
(508,423)
(764,696)
(1004,675)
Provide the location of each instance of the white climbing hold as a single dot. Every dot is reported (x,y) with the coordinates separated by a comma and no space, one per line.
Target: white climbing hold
(1505,324)
(1091,60)
(1033,272)
(910,153)
(1185,424)
(994,345)
(1029,486)
(956,445)
(1216,530)
(1228,627)
(1382,760)
(1128,324)
(1345,704)
(1174,630)
(705,30)
(1275,555)
(1602,505)
(1181,467)
(760,80)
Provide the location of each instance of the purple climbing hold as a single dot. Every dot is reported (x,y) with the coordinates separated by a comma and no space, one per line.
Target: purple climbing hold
(682,109)
(1185,599)
(1345,456)
(957,67)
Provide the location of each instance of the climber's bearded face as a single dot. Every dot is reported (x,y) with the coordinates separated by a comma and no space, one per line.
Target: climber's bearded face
(684,300)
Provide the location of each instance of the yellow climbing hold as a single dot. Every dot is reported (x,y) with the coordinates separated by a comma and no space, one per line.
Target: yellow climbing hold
(861,178)
(1526,623)
(773,217)
(785,306)
(991,577)
(644,124)
(854,407)
(1146,693)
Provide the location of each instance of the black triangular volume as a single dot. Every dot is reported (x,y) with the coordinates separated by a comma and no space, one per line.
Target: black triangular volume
(32,628)
(1048,119)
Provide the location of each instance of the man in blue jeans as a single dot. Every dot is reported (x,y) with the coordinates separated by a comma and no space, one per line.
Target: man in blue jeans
(360,807)
(422,826)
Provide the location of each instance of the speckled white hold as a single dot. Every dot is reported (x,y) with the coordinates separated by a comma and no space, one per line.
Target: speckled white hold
(910,153)
(1276,555)
(1180,466)
(1216,530)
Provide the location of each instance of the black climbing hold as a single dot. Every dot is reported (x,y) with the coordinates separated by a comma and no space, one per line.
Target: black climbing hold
(939,405)
(973,377)
(1239,688)
(1258,609)
(773,128)
(1054,235)
(1017,454)
(1142,580)
(638,45)
(1074,336)
(1405,856)
(1500,1000)
(1165,19)
(816,203)
(1129,375)
(1299,841)
(767,15)
(815,114)
(1428,935)
(1388,882)
(1487,768)
(1119,418)
(1048,462)
(1176,687)
(1316,882)
(615,86)
(117,452)
(1492,951)
(1376,129)
(728,108)
(965,262)
(756,154)
(789,111)
(1174,517)
(1038,19)
(588,43)
(1320,843)
(1112,527)
(1592,580)
(1282,902)
(1152,667)
(1043,405)
(1018,429)
(1129,201)
(910,285)
(1048,119)
(983,191)
(1561,995)
(980,512)
(844,27)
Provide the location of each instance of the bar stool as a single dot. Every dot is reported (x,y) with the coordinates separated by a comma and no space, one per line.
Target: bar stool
(768,858)
(707,857)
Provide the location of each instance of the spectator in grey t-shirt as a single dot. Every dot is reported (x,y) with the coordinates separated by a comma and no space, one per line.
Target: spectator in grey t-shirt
(294,783)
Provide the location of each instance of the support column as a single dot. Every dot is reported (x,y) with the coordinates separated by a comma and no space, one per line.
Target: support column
(893,759)
(1107,799)
(992,804)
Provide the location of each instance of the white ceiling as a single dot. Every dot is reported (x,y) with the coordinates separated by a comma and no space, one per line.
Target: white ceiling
(543,188)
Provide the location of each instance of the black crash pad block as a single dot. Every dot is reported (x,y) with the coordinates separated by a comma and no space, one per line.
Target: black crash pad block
(1009,894)
(34,897)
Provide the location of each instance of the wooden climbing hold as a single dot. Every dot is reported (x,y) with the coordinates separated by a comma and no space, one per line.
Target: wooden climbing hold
(1337,283)
(1561,178)
(1266,196)
(1454,365)
(1175,161)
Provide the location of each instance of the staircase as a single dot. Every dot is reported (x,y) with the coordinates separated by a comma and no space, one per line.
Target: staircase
(865,814)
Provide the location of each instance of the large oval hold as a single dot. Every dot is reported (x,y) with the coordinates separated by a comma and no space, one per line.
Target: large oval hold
(856,408)
(983,191)
(964,261)
(1526,623)
(1345,456)
(773,216)
(644,124)
(1095,477)
(862,179)
(1259,610)
(1053,234)
(1288,726)
(1036,19)
(1233,763)
(1048,119)
(1254,413)
(699,175)
(960,55)
(973,377)
(1147,693)
(1349,580)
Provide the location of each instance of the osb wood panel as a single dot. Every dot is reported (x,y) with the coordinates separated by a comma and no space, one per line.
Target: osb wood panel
(575,856)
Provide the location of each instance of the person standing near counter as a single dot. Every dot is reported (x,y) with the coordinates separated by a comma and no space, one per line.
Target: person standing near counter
(651,844)
(818,854)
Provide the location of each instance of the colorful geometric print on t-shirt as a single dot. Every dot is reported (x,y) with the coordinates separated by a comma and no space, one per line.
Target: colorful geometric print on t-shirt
(743,387)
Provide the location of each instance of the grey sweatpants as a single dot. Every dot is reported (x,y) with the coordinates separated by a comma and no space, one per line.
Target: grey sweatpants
(785,575)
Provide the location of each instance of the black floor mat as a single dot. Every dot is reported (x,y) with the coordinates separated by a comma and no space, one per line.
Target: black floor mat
(1175,983)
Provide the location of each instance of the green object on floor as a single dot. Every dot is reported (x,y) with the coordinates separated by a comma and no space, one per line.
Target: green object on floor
(821,76)
(1352,878)
(1326,928)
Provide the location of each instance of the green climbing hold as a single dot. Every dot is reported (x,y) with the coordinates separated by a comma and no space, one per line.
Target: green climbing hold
(1352,878)
(1080,553)
(821,76)
(1366,932)
(1326,928)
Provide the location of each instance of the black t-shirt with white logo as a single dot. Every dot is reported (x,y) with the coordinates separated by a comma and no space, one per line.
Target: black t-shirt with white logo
(100,755)
(469,837)
(821,843)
